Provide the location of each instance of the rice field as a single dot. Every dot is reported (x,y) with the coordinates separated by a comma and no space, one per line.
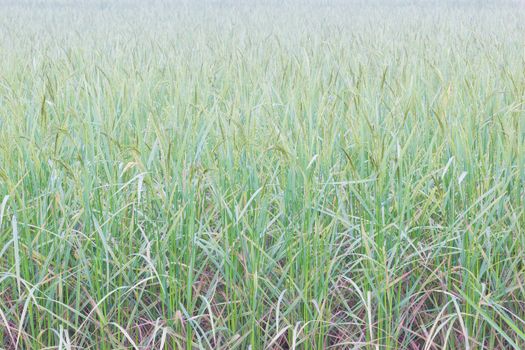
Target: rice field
(262,175)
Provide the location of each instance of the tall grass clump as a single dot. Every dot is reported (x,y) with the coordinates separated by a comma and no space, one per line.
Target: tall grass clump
(227,175)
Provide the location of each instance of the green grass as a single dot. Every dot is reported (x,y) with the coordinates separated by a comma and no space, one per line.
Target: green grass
(234,176)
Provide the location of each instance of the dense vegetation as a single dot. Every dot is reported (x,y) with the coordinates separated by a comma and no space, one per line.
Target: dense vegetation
(235,176)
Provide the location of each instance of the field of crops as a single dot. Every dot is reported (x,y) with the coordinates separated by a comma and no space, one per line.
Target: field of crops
(264,175)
